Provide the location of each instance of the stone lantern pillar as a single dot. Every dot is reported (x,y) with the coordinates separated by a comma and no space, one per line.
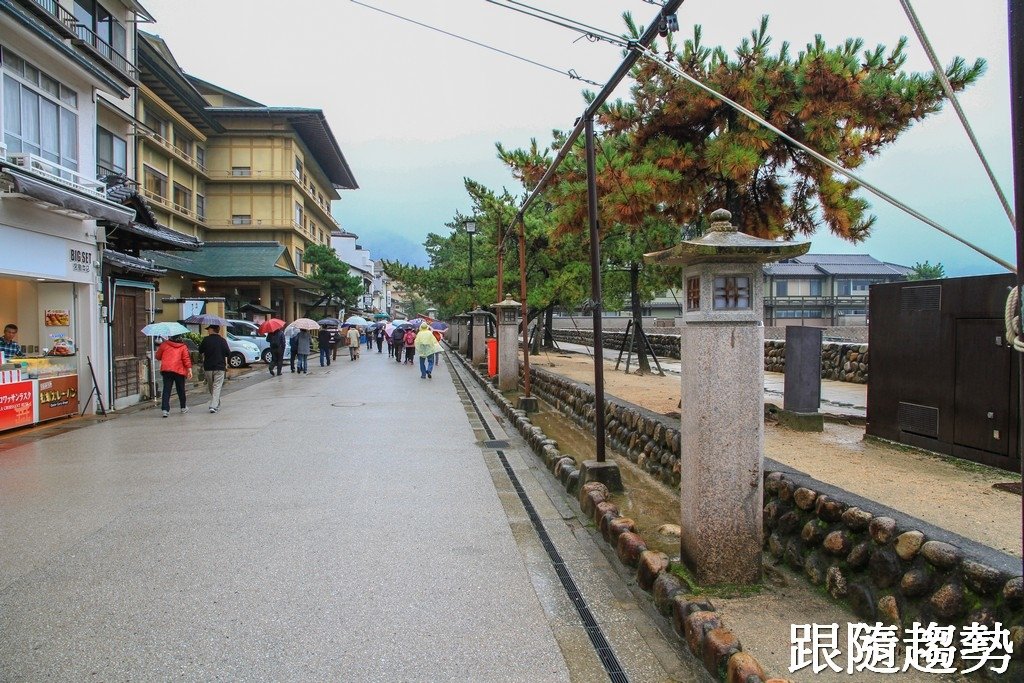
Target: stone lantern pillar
(462,333)
(479,341)
(508,343)
(722,415)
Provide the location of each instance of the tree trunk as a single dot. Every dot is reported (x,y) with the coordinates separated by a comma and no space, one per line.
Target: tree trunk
(642,362)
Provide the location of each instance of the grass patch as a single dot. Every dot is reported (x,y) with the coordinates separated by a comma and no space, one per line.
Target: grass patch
(723,590)
(963,465)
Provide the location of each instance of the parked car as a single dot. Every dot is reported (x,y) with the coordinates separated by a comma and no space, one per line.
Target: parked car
(243,351)
(248,330)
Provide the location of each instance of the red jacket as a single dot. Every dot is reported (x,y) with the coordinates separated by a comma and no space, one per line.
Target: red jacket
(174,357)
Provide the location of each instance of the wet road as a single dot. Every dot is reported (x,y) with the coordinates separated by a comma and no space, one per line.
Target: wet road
(340,525)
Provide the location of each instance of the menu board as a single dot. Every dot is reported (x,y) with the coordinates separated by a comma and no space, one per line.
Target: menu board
(16,404)
(58,396)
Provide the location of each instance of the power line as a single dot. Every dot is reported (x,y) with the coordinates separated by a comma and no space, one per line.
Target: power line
(953,100)
(589,32)
(571,73)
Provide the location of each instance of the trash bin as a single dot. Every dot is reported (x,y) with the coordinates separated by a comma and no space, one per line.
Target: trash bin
(492,356)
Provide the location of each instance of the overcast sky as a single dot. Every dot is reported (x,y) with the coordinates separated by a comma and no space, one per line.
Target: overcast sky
(415,111)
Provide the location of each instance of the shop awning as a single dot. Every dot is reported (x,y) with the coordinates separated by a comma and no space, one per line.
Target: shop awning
(67,199)
(255,308)
(132,264)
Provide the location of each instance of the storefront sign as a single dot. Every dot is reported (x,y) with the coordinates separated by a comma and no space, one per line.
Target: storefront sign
(16,404)
(58,396)
(80,260)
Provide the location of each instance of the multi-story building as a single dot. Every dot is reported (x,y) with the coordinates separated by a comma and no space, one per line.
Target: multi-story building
(360,265)
(255,183)
(824,290)
(69,76)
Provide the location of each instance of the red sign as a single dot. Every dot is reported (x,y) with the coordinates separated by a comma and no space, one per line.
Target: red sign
(58,396)
(16,401)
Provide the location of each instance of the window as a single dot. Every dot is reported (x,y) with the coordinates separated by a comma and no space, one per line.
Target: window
(241,219)
(36,118)
(854,287)
(154,182)
(298,214)
(782,288)
(200,206)
(298,168)
(111,153)
(98,20)
(154,122)
(798,313)
(298,259)
(182,197)
(201,155)
(692,293)
(243,171)
(732,292)
(183,143)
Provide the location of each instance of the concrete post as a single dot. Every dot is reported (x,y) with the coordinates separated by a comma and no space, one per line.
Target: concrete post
(508,343)
(802,396)
(289,304)
(479,337)
(265,296)
(722,417)
(463,328)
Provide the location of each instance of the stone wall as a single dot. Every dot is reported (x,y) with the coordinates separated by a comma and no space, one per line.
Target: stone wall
(884,565)
(842,361)
(839,361)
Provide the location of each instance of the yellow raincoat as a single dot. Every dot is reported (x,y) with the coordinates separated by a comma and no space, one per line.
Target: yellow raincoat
(426,344)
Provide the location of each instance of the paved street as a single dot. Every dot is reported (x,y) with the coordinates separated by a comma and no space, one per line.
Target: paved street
(341,525)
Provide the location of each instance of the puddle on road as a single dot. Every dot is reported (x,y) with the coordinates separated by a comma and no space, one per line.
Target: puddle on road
(647,502)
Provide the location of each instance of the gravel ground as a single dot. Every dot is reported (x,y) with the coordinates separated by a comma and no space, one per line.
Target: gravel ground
(951,494)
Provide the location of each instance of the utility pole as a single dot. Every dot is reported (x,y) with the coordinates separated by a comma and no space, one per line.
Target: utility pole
(595,290)
(1015,20)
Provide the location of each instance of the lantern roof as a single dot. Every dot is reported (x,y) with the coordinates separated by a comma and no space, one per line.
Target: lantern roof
(509,301)
(724,243)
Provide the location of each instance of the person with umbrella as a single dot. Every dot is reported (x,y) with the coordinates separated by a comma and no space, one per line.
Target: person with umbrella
(215,352)
(273,328)
(175,365)
(353,343)
(303,344)
(328,339)
(378,336)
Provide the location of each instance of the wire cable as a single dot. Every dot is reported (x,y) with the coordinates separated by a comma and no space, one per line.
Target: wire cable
(571,73)
(948,90)
(572,25)
(654,57)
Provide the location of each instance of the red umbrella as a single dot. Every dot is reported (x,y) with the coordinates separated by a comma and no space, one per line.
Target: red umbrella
(272,325)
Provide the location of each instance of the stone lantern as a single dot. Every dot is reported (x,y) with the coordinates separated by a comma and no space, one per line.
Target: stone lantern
(462,333)
(508,343)
(479,333)
(722,414)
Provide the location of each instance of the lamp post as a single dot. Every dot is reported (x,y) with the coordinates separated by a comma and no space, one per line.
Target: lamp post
(470,226)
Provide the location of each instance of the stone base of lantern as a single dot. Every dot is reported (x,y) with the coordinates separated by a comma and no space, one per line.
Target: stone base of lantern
(528,403)
(605,472)
(801,422)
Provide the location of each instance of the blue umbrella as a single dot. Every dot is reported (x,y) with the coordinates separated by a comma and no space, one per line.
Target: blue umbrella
(439,326)
(356,320)
(165,330)
(333,322)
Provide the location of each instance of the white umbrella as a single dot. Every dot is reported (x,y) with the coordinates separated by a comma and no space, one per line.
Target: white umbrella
(357,320)
(305,324)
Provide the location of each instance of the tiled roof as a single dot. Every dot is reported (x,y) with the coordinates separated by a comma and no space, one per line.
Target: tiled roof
(120,190)
(836,265)
(229,260)
(792,269)
(877,269)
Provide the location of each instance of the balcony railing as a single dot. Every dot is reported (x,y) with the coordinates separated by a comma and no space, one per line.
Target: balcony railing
(246,173)
(55,16)
(257,223)
(176,151)
(56,173)
(86,36)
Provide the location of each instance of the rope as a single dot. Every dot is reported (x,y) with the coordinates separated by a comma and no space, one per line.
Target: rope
(1012,315)
(948,90)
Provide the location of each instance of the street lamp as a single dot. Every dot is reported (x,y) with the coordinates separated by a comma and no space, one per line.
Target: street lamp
(470,226)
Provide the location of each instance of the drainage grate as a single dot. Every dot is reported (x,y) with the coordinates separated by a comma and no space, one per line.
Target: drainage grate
(495,444)
(601,646)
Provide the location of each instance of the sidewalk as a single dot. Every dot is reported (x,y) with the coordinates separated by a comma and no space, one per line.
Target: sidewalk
(341,525)
(843,399)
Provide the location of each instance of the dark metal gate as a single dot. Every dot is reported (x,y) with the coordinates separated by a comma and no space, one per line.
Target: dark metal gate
(941,374)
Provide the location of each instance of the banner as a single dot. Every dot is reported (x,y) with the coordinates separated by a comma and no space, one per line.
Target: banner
(16,404)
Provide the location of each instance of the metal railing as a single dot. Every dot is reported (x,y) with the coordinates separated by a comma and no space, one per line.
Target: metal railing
(172,205)
(54,172)
(303,182)
(176,151)
(258,223)
(55,15)
(105,50)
